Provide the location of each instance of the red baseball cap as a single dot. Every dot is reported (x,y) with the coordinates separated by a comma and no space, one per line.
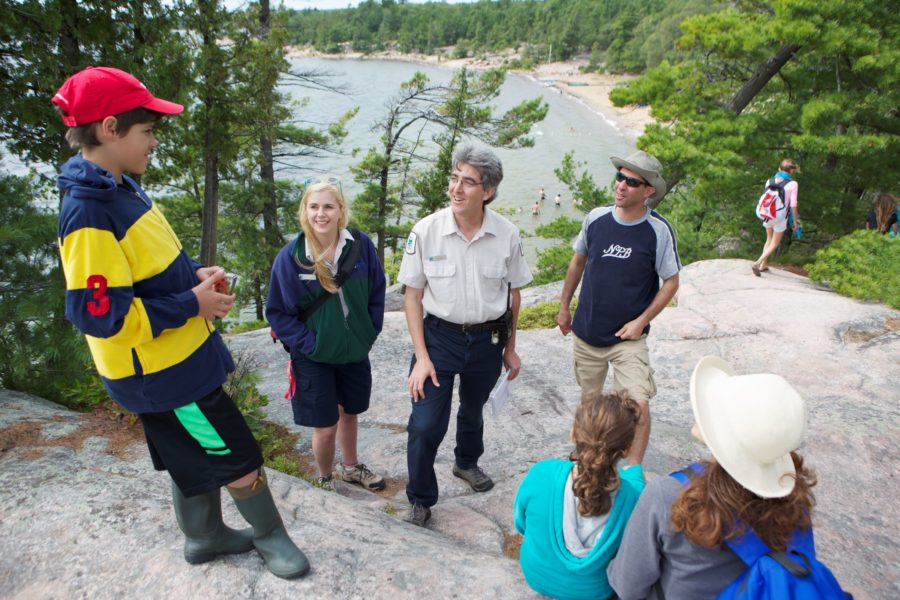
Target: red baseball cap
(99,92)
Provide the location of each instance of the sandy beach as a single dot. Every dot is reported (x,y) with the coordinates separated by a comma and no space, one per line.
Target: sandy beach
(592,89)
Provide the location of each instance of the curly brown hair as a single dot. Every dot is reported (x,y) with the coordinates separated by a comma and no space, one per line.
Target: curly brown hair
(706,511)
(603,430)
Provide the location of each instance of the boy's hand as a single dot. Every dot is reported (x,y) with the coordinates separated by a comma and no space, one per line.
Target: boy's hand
(204,272)
(212,304)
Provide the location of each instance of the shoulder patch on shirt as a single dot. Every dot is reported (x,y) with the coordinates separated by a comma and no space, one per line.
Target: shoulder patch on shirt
(411,243)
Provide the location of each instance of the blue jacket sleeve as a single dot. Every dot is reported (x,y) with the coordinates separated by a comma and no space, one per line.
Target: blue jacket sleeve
(282,309)
(378,283)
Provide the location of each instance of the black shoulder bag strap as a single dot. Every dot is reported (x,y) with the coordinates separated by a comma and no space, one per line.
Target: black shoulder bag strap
(346,267)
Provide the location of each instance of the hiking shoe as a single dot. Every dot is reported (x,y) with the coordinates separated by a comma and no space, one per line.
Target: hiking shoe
(361,475)
(325,482)
(418,515)
(755,268)
(477,478)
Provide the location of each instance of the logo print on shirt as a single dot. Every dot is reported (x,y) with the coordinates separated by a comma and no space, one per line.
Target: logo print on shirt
(616,251)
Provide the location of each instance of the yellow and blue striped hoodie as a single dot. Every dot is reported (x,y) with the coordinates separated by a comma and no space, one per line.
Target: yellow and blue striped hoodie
(128,289)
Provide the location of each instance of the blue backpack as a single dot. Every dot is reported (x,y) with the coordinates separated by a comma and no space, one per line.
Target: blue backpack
(770,575)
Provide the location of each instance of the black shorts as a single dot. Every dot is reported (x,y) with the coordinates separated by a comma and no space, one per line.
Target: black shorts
(203,445)
(320,387)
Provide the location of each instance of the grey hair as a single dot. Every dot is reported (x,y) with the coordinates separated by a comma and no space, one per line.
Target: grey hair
(485,160)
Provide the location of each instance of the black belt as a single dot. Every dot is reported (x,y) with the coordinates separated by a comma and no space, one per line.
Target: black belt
(467,329)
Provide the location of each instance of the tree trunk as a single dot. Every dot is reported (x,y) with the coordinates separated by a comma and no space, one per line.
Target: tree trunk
(271,233)
(257,292)
(210,219)
(209,96)
(766,71)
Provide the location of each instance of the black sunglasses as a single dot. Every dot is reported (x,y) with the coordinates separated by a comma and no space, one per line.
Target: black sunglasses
(631,182)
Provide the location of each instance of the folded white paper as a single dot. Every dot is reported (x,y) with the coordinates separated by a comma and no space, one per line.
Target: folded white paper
(500,393)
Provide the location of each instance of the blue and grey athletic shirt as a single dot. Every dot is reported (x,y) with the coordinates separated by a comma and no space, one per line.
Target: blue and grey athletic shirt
(625,261)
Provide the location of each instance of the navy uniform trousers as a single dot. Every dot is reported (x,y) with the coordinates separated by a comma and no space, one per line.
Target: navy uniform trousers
(477,362)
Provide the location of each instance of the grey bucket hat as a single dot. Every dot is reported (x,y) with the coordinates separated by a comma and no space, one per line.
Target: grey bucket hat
(647,167)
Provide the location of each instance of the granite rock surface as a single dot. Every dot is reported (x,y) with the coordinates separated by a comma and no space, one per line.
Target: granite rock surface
(86,520)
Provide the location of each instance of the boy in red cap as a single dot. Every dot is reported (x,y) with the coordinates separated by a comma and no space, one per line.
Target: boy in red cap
(145,308)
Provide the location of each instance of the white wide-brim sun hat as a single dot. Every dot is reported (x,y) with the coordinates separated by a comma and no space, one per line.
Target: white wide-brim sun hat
(750,423)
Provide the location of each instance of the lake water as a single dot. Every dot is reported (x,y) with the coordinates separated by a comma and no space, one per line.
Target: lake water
(569,126)
(370,84)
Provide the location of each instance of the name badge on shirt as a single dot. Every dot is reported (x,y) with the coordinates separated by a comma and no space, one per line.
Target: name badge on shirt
(437,257)
(307,276)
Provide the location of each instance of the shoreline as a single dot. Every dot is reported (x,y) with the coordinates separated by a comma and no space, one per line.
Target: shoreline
(591,89)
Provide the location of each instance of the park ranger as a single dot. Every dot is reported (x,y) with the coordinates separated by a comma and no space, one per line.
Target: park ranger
(462,267)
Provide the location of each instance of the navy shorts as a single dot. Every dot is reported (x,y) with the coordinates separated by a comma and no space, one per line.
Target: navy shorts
(321,387)
(203,445)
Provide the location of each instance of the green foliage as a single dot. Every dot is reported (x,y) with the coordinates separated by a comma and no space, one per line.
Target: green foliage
(285,463)
(541,316)
(86,394)
(40,351)
(561,228)
(636,33)
(276,443)
(703,228)
(829,107)
(864,264)
(392,266)
(246,326)
(552,264)
(588,196)
(44,42)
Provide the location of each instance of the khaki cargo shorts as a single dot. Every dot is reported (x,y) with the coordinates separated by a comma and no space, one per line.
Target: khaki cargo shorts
(630,360)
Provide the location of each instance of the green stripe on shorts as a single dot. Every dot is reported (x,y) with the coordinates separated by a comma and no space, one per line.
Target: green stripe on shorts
(196,424)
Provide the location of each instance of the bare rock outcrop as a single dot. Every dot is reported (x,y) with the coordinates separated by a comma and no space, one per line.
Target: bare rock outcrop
(77,521)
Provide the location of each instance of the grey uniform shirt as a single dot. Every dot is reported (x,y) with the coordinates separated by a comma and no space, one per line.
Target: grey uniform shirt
(651,551)
(465,281)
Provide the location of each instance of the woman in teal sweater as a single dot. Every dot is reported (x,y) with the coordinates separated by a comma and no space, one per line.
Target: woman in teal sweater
(572,513)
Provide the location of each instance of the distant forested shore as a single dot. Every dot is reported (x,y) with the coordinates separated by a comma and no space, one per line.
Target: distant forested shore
(618,35)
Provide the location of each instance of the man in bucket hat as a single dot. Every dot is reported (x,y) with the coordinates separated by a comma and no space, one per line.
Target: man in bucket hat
(621,253)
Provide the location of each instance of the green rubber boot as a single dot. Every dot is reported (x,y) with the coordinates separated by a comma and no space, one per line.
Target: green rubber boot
(283,558)
(206,536)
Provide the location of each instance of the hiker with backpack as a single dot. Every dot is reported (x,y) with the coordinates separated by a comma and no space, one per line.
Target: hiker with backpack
(326,305)
(738,525)
(779,197)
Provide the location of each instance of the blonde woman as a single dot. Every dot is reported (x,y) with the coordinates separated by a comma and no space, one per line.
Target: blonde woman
(326,304)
